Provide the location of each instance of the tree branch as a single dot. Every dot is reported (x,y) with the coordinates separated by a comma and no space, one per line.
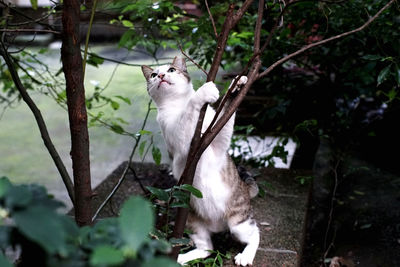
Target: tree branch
(29,30)
(195,150)
(211,18)
(194,62)
(72,66)
(307,47)
(40,122)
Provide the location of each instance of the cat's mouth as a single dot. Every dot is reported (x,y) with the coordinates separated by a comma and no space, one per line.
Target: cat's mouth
(163,81)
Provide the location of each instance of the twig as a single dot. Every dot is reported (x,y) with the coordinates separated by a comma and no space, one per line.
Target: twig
(41,124)
(191,59)
(88,35)
(123,175)
(29,30)
(211,18)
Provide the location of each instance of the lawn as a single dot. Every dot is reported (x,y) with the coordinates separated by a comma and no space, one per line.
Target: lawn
(24,158)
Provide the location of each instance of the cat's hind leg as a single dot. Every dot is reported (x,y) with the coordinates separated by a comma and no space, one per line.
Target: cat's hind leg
(202,239)
(247,232)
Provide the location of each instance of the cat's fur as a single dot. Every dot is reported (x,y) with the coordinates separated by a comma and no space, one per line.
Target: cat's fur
(226,198)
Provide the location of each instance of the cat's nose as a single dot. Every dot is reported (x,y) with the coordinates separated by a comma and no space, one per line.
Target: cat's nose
(161,75)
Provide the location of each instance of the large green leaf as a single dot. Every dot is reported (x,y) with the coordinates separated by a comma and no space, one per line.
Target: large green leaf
(106,255)
(18,196)
(136,221)
(4,186)
(43,226)
(383,75)
(156,155)
(196,192)
(3,261)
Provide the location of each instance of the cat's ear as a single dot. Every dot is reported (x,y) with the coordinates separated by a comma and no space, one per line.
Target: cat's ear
(179,63)
(147,71)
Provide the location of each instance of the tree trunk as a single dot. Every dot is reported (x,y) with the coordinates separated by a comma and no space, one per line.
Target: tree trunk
(73,71)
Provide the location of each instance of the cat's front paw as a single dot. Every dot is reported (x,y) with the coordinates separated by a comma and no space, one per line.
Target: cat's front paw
(241,82)
(208,93)
(242,259)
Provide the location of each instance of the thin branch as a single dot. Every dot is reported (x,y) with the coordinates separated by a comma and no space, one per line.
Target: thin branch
(40,122)
(257,31)
(194,62)
(257,52)
(29,30)
(124,173)
(16,10)
(88,35)
(211,18)
(307,47)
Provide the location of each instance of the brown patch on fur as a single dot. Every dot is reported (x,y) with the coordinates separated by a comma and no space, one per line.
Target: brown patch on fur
(238,207)
(183,72)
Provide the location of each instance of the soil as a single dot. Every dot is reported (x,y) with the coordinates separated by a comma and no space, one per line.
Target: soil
(364,224)
(279,213)
(297,223)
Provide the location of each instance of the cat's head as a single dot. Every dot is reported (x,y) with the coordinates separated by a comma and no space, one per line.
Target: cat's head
(166,81)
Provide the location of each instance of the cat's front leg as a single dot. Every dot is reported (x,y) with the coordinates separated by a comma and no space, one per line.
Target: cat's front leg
(207,93)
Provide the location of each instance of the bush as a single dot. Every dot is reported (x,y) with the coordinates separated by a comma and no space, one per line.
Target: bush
(34,232)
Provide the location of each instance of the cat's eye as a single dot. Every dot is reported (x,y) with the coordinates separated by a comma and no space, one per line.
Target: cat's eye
(171,69)
(153,75)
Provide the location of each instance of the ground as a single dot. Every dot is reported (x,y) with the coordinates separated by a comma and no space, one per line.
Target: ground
(279,213)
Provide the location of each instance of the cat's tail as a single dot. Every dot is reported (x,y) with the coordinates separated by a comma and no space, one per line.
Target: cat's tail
(249,180)
(253,187)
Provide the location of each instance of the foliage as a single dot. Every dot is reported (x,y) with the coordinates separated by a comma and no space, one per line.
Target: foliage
(31,223)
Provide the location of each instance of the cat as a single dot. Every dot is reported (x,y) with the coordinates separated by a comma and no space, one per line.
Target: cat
(226,198)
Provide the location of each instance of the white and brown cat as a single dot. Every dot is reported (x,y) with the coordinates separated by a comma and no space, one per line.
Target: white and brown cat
(226,198)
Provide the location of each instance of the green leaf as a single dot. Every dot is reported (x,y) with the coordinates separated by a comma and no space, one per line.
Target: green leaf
(136,221)
(156,155)
(160,262)
(18,196)
(397,75)
(5,184)
(145,132)
(142,146)
(117,128)
(94,60)
(158,193)
(196,192)
(372,57)
(42,226)
(114,105)
(127,23)
(106,255)
(383,74)
(34,4)
(125,99)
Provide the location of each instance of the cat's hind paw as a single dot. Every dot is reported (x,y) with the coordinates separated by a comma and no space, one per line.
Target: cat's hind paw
(242,259)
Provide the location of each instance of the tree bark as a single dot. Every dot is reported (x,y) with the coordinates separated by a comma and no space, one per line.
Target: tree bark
(73,71)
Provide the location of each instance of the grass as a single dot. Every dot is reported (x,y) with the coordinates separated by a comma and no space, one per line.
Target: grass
(23,157)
